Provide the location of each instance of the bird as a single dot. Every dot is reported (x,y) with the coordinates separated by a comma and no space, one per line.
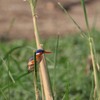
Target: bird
(39,56)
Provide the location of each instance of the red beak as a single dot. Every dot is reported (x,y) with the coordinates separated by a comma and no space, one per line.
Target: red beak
(47,52)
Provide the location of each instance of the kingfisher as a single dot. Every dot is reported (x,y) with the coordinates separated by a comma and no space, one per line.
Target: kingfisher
(39,56)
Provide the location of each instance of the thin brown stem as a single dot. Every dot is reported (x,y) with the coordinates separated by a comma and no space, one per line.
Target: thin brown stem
(97,88)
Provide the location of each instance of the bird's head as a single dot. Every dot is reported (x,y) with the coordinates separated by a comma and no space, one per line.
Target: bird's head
(41,51)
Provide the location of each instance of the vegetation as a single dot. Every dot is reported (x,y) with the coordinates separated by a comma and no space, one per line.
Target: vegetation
(73,52)
(73,65)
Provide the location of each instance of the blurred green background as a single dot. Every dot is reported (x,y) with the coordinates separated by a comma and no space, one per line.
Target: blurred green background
(70,73)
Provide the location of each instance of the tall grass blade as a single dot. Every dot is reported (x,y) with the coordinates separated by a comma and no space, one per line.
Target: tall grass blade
(35,66)
(66,12)
(35,79)
(55,66)
(85,15)
(9,73)
(92,90)
(3,95)
(95,56)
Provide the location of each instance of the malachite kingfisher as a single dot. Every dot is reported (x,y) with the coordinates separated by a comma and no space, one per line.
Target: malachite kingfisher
(39,55)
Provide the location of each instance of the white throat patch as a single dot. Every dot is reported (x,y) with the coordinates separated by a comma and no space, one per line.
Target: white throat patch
(37,53)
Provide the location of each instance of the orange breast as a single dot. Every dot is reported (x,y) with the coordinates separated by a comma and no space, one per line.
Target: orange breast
(38,58)
(32,62)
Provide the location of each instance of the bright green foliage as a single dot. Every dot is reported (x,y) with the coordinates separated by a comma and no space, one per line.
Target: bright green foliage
(71,79)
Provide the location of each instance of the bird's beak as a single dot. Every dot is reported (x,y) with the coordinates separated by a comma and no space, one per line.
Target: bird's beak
(47,52)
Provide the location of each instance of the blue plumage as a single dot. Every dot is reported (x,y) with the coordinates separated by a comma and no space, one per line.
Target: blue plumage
(40,50)
(37,51)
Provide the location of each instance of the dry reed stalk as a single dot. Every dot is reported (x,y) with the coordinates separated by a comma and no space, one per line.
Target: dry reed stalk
(42,69)
(95,71)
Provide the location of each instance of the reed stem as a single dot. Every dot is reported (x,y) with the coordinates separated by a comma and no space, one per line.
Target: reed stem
(42,69)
